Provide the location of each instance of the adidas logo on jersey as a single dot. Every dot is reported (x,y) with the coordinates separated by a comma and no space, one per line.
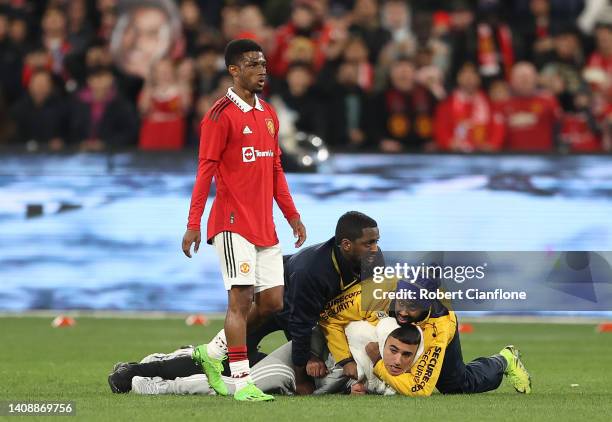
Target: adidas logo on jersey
(247,130)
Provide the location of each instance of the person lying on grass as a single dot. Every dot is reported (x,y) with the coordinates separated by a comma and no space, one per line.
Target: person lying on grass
(180,373)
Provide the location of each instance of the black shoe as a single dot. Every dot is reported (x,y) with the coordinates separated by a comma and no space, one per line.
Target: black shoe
(120,380)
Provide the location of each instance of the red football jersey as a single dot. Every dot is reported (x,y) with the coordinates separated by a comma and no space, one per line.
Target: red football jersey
(529,122)
(239,145)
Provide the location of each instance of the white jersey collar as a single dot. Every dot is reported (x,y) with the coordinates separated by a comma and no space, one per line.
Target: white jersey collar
(242,105)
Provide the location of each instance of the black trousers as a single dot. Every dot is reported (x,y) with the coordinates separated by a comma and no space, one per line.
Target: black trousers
(480,375)
(169,369)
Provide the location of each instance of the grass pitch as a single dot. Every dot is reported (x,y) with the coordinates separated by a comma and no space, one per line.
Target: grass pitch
(45,364)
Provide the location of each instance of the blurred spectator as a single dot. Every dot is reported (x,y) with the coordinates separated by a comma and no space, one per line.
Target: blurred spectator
(567,49)
(580,131)
(403,113)
(534,32)
(305,26)
(366,24)
(488,42)
(531,118)
(561,12)
(55,39)
(186,73)
(145,32)
(297,106)
(108,19)
(4,23)
(601,59)
(209,68)
(253,26)
(80,31)
(40,115)
(163,103)
(440,41)
(192,24)
(593,9)
(333,58)
(19,32)
(499,92)
(277,12)
(465,121)
(432,78)
(461,20)
(356,53)
(346,110)
(98,55)
(230,21)
(36,59)
(13,48)
(100,117)
(396,20)
(562,74)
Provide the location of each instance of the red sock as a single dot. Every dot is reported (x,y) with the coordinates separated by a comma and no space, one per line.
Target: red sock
(239,365)
(237,353)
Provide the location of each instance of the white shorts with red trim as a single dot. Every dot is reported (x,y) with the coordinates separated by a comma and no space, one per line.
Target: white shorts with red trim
(244,264)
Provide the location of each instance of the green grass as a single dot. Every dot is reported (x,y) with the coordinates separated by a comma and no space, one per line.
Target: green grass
(41,363)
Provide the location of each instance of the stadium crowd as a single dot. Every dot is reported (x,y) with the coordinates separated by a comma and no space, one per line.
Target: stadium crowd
(365,75)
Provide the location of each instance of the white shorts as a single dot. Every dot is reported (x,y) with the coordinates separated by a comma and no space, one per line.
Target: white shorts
(244,264)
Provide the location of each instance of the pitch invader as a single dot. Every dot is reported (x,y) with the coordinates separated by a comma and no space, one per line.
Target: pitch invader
(239,147)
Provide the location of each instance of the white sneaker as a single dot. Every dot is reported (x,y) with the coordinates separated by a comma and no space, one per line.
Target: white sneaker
(149,386)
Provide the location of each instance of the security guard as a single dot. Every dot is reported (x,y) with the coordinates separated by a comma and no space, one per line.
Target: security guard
(441,366)
(313,277)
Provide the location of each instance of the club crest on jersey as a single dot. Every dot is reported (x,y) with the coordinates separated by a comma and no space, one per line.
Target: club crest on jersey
(270,126)
(245,268)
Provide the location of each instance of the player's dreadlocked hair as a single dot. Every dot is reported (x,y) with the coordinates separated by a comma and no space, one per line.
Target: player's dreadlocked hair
(236,48)
(407,334)
(350,226)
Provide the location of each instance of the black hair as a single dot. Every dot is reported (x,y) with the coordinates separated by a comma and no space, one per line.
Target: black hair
(236,48)
(206,49)
(568,29)
(351,224)
(300,65)
(98,71)
(97,43)
(407,334)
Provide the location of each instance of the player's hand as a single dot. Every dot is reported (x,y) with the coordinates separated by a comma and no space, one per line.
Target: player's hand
(191,237)
(373,351)
(316,368)
(350,370)
(304,386)
(358,389)
(299,231)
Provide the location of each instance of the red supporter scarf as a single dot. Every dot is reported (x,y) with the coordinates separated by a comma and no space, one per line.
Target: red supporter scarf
(489,57)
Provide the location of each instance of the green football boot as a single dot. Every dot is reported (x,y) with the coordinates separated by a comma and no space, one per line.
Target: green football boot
(212,368)
(252,393)
(515,371)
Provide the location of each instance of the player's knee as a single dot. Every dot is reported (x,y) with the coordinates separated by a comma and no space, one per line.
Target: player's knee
(277,306)
(271,307)
(269,310)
